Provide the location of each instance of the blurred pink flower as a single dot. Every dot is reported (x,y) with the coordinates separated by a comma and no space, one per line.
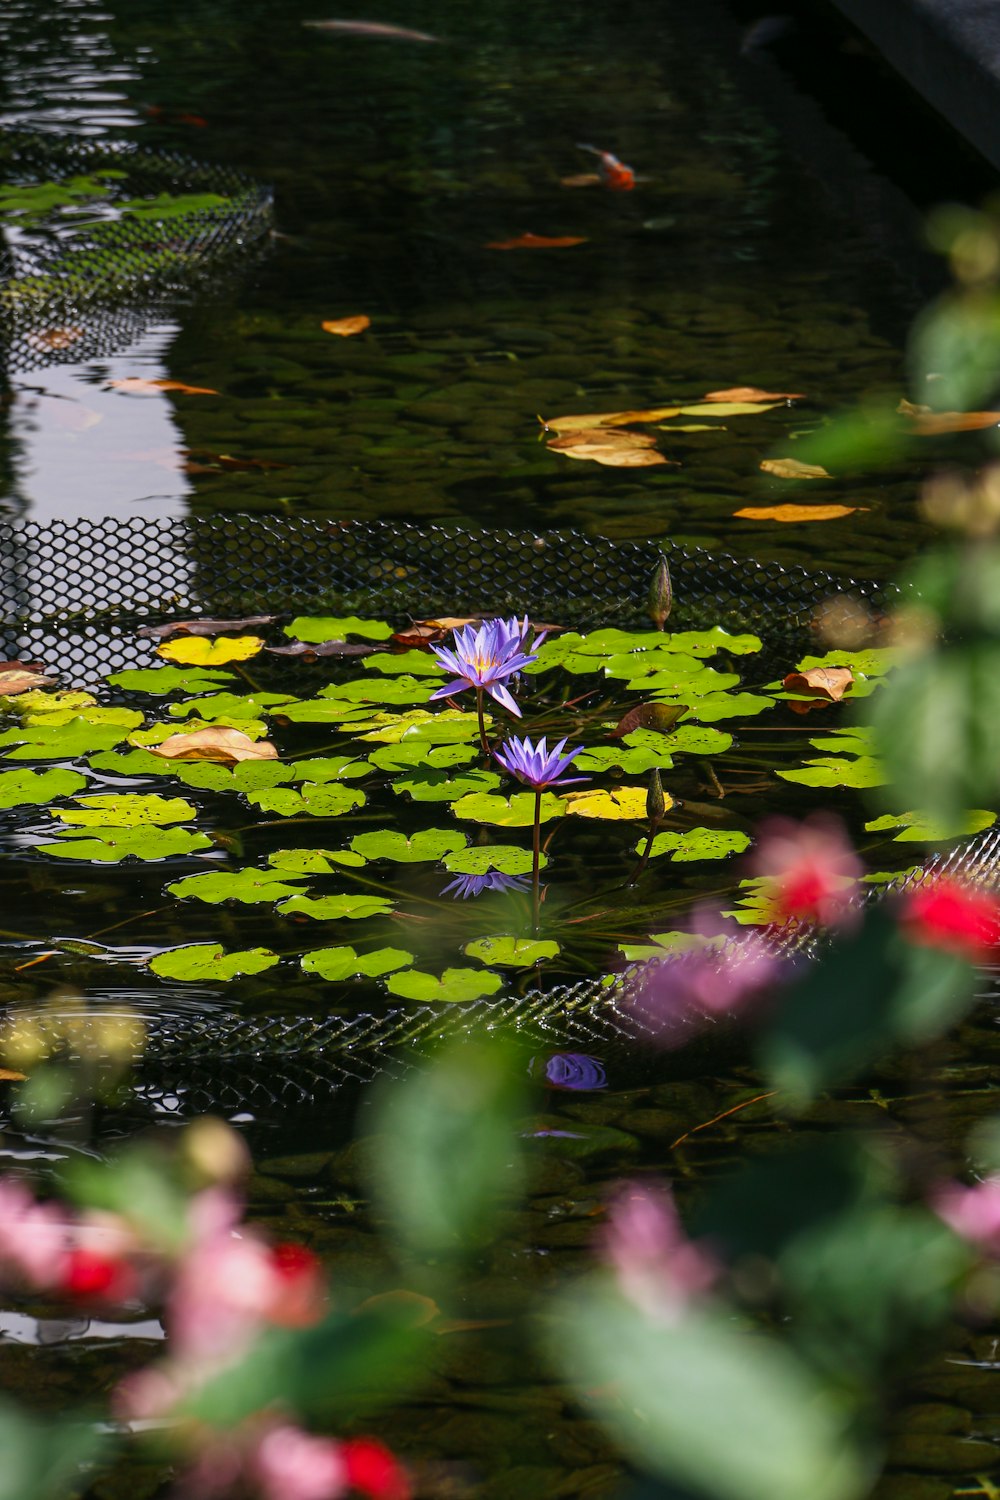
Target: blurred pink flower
(373,1471)
(813,867)
(946,914)
(34,1237)
(224,1290)
(289,1464)
(972,1212)
(676,998)
(657,1266)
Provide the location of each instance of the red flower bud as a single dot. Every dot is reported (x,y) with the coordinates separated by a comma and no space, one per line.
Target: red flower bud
(945,914)
(300,1273)
(373,1471)
(92,1277)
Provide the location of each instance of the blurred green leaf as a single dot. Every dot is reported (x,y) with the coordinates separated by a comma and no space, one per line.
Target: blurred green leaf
(44,1458)
(957,341)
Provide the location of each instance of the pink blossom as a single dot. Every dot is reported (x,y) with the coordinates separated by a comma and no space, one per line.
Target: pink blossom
(373,1471)
(34,1237)
(677,998)
(289,1464)
(224,1290)
(972,1212)
(657,1266)
(945,914)
(813,867)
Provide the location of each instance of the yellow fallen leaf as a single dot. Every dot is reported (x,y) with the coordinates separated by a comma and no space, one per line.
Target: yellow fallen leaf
(602,437)
(8,1075)
(727,408)
(199,651)
(222,744)
(751,393)
(928,423)
(797,512)
(793,468)
(609,419)
(347,326)
(623,802)
(133,385)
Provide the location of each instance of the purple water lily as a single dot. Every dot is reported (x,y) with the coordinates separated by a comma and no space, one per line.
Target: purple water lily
(536,765)
(485,659)
(465,886)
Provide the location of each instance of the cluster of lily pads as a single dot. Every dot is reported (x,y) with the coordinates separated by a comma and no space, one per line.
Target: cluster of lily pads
(455,759)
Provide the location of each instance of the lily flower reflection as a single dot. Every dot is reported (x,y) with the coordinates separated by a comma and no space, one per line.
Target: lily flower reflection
(570,1070)
(464,886)
(485,659)
(536,765)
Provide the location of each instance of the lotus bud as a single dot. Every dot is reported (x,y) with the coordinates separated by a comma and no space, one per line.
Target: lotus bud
(656,804)
(661,594)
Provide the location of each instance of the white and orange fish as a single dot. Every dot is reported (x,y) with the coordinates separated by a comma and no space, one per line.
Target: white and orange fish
(614,174)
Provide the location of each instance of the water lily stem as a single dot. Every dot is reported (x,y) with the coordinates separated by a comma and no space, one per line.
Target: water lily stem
(654,824)
(535,860)
(482,724)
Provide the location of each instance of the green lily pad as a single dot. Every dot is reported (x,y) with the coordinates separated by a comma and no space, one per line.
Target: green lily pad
(329,908)
(247,885)
(709,642)
(254,729)
(517,811)
(231,707)
(60,741)
(126,810)
(245,776)
(209,961)
(328,800)
(322,711)
(133,763)
(916,827)
(510,952)
(409,752)
(34,788)
(329,768)
(872,662)
(163,680)
(318,628)
(113,844)
(416,663)
(758,905)
(692,739)
(726,706)
(693,688)
(698,843)
(432,785)
(314,861)
(667,945)
(344,963)
(674,665)
(453,985)
(425,844)
(449,726)
(508,859)
(630,758)
(126,718)
(862,770)
(49,701)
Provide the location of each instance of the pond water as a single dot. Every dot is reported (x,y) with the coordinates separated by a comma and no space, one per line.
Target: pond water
(396,167)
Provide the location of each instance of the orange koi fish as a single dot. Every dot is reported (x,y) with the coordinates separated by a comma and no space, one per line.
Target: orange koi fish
(614,174)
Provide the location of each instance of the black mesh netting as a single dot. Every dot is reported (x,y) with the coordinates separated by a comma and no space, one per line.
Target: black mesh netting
(143,230)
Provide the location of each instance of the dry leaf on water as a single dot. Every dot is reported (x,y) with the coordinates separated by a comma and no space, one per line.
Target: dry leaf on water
(580,179)
(202,627)
(826,684)
(926,422)
(224,745)
(8,1075)
(537,242)
(133,385)
(309,650)
(793,468)
(615,447)
(608,419)
(659,716)
(20,676)
(345,327)
(752,393)
(797,512)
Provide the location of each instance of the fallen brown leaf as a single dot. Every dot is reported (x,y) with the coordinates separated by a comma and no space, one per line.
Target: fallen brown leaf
(310,650)
(609,419)
(580,180)
(345,327)
(537,242)
(659,716)
(797,512)
(202,627)
(134,385)
(615,447)
(793,468)
(19,676)
(927,423)
(8,1075)
(752,393)
(224,745)
(830,683)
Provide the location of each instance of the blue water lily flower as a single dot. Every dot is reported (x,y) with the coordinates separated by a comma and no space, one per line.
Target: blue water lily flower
(485,659)
(465,886)
(536,765)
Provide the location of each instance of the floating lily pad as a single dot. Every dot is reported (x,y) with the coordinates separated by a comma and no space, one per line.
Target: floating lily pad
(322,628)
(508,859)
(156,734)
(126,718)
(633,759)
(432,785)
(329,768)
(330,908)
(693,739)
(344,963)
(709,642)
(409,752)
(450,726)
(202,651)
(693,688)
(453,985)
(50,701)
(351,699)
(244,776)
(416,663)
(329,800)
(162,680)
(235,885)
(511,952)
(620,803)
(314,861)
(862,770)
(517,811)
(667,945)
(698,843)
(34,788)
(209,961)
(113,844)
(916,827)
(425,844)
(60,741)
(133,763)
(726,706)
(126,810)
(757,905)
(870,662)
(633,665)
(230,707)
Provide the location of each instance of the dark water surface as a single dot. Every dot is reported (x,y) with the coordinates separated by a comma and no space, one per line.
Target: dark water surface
(757,251)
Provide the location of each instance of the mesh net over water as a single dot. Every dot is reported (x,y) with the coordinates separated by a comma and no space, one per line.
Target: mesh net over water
(72,594)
